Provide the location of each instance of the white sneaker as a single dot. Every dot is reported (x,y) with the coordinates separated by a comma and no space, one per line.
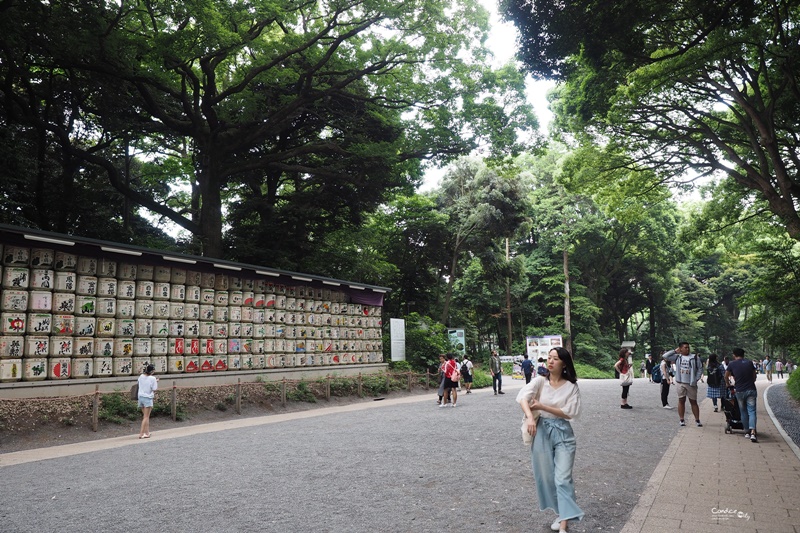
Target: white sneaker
(442,405)
(454,405)
(556,526)
(668,407)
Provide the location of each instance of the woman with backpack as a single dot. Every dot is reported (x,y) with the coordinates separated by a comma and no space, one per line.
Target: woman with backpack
(716,379)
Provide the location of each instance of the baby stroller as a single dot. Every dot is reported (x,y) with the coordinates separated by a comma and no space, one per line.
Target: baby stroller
(733,417)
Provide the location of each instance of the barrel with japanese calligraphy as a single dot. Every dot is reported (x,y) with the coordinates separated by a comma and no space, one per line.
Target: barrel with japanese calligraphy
(140,364)
(10,370)
(175,364)
(160,362)
(126,290)
(122,366)
(34,369)
(103,366)
(59,367)
(82,367)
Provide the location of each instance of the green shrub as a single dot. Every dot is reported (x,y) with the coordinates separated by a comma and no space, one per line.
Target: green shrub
(400,366)
(480,378)
(272,387)
(343,386)
(117,408)
(301,393)
(585,371)
(793,385)
(375,384)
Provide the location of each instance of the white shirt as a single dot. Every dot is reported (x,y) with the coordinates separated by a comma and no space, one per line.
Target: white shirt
(567,397)
(469,366)
(147,386)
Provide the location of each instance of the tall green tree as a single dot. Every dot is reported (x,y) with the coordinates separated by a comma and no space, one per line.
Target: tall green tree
(686,88)
(482,206)
(299,117)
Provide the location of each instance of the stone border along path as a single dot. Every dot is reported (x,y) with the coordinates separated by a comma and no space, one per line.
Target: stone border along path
(397,465)
(711,481)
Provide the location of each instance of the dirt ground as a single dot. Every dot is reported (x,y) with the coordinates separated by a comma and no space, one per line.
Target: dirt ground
(43,422)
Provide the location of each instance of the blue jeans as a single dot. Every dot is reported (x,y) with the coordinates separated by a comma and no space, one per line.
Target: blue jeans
(552,457)
(747,407)
(497,381)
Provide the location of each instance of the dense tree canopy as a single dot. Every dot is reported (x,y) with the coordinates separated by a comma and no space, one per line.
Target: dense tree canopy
(295,118)
(685,88)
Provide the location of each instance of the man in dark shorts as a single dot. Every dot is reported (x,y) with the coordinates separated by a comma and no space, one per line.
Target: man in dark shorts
(744,375)
(466,374)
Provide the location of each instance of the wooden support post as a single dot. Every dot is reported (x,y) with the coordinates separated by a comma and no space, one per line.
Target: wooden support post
(173,402)
(409,381)
(283,392)
(427,379)
(239,396)
(96,408)
(360,386)
(328,387)
(388,380)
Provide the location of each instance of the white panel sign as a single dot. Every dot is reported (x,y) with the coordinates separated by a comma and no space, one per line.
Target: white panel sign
(397,329)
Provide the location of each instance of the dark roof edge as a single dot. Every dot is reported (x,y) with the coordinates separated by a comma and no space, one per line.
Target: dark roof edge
(42,238)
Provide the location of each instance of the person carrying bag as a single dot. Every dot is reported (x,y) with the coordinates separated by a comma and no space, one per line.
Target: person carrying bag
(625,376)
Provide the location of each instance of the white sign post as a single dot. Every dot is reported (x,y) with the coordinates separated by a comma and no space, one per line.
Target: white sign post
(397,331)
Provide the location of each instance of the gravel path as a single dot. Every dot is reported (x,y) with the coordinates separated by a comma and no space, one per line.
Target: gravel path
(786,409)
(398,468)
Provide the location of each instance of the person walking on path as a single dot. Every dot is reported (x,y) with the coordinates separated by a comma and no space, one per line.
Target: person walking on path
(554,443)
(442,361)
(451,376)
(148,384)
(744,375)
(666,381)
(496,368)
(779,368)
(688,371)
(625,372)
(716,379)
(648,366)
(527,368)
(466,374)
(767,367)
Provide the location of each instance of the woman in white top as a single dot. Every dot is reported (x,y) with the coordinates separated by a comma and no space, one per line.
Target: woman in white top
(553,450)
(148,384)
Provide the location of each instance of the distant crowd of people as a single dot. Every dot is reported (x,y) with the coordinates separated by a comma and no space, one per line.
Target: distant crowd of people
(731,379)
(550,399)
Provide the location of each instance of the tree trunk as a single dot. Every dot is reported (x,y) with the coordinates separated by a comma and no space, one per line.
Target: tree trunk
(446,308)
(651,305)
(508,303)
(567,320)
(210,205)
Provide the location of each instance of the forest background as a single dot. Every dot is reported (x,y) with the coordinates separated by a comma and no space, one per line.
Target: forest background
(295,135)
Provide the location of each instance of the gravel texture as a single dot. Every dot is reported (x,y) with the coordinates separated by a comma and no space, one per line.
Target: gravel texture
(394,468)
(786,409)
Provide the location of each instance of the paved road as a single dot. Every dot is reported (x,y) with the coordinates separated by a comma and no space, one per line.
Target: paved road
(391,466)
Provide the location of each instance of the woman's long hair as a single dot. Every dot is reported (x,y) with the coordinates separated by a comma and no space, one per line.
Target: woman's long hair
(569,367)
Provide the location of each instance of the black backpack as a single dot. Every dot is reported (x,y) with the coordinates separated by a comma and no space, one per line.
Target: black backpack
(714,377)
(464,369)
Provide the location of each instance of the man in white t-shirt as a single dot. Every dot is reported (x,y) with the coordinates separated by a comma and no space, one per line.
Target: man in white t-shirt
(466,373)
